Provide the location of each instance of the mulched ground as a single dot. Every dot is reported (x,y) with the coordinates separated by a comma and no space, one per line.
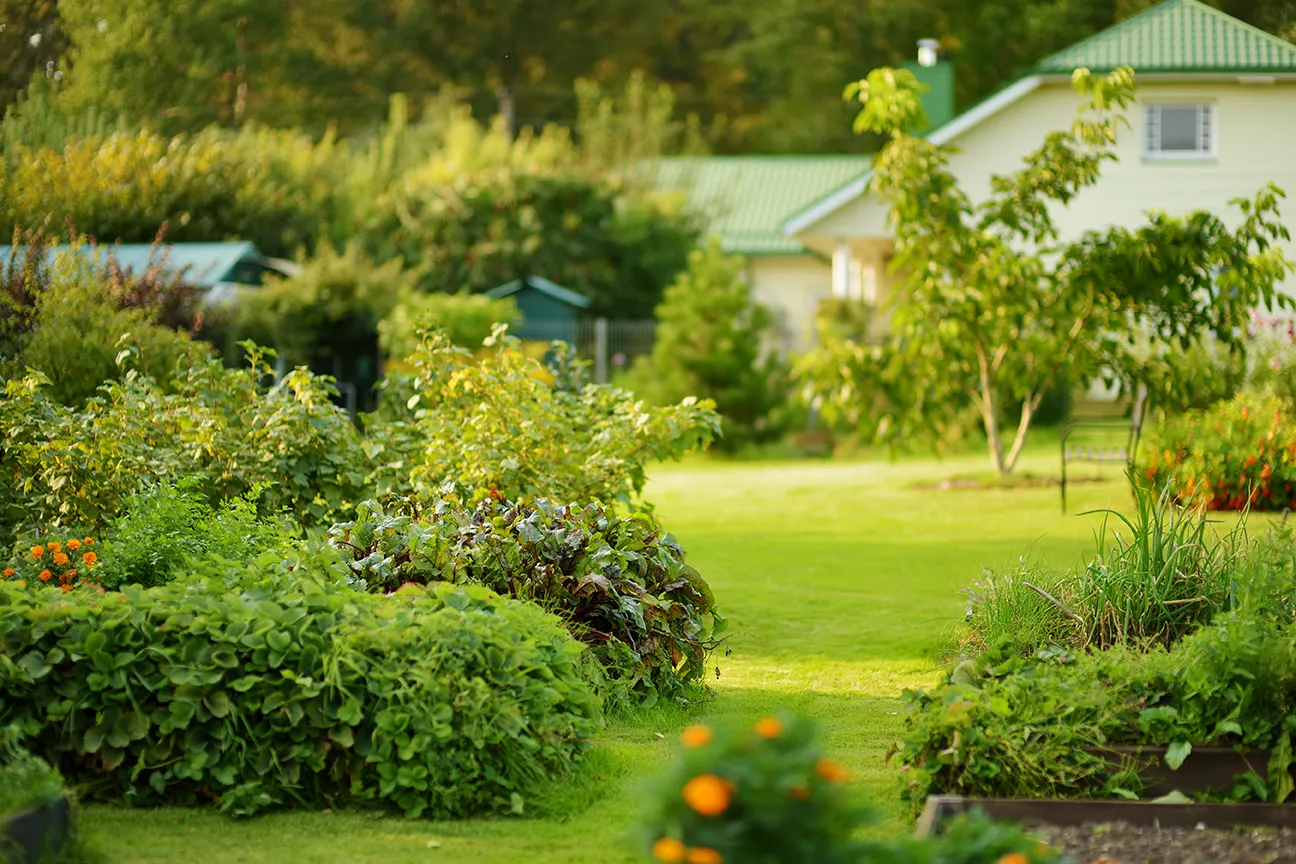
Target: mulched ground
(1119,843)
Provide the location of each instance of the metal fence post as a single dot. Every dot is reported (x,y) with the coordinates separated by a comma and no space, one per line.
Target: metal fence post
(601,350)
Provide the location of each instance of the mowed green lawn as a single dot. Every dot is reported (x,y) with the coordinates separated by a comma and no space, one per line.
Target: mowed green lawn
(841,582)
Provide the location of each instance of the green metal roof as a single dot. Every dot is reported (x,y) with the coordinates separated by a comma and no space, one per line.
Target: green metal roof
(748,198)
(204,265)
(544,286)
(1177,36)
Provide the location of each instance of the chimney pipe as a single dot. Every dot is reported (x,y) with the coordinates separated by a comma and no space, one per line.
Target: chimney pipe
(928,52)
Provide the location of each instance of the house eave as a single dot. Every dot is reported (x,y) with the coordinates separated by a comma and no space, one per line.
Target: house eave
(973,117)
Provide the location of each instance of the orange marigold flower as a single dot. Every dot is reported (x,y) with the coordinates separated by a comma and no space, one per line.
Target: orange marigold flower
(45,575)
(769,728)
(831,771)
(54,547)
(89,558)
(68,576)
(38,551)
(799,793)
(668,850)
(703,855)
(707,794)
(89,541)
(1014,858)
(67,589)
(74,544)
(60,558)
(9,571)
(696,736)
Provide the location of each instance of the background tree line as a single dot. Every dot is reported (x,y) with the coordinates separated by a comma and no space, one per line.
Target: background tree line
(761,77)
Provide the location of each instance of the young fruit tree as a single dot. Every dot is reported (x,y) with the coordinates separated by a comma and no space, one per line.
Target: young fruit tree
(991,303)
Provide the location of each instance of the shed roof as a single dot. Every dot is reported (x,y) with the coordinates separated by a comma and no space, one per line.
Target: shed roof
(205,264)
(1177,36)
(544,286)
(748,198)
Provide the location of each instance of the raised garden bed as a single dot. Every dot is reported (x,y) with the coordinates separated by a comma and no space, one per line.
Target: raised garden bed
(26,837)
(1139,832)
(1206,769)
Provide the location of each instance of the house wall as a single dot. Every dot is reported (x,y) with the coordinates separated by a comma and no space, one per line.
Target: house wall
(1254,127)
(791,287)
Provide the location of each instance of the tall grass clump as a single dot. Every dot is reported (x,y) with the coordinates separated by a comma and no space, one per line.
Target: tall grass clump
(1156,575)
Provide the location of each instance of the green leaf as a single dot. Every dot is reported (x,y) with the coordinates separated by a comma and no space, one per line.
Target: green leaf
(33,663)
(1176,753)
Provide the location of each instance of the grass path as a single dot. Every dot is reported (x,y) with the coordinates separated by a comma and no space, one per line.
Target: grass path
(840,582)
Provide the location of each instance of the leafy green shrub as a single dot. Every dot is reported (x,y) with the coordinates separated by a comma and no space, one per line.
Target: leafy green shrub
(279,687)
(1008,726)
(337,297)
(1238,454)
(167,526)
(478,230)
(509,423)
(711,342)
(767,795)
(81,325)
(467,320)
(1160,575)
(621,585)
(77,467)
(268,187)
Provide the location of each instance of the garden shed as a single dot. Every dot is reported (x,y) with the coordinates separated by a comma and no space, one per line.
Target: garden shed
(550,312)
(217,268)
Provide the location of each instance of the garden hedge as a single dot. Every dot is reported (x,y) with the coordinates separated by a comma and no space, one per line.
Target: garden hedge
(446,701)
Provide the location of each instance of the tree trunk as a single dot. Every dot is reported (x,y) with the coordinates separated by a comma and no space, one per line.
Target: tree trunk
(1029,405)
(990,415)
(507,110)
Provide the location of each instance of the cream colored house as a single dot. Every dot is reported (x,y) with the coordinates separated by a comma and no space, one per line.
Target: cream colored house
(748,200)
(1215,120)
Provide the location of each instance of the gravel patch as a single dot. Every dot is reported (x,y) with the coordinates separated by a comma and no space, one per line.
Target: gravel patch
(1120,843)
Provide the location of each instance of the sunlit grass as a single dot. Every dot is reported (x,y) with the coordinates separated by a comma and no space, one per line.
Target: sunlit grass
(841,582)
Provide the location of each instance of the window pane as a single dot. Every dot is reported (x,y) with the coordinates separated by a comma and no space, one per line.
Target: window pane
(1180,125)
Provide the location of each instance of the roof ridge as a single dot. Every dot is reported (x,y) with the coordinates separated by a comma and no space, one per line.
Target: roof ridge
(1148,17)
(1230,19)
(1107,32)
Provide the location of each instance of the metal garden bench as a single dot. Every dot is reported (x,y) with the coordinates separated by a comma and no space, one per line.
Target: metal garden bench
(1111,455)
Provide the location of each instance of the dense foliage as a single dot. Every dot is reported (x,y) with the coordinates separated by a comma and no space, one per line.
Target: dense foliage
(712,341)
(76,467)
(1237,454)
(1008,726)
(768,795)
(262,186)
(476,232)
(510,423)
(619,583)
(279,687)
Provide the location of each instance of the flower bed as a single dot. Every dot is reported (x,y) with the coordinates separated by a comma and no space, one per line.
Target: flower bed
(1237,454)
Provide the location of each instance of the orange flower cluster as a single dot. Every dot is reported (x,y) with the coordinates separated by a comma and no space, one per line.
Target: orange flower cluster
(671,851)
(67,564)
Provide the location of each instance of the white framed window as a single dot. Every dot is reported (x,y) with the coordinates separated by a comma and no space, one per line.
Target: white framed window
(1179,130)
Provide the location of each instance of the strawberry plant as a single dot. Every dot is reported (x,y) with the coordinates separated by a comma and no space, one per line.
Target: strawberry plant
(271,687)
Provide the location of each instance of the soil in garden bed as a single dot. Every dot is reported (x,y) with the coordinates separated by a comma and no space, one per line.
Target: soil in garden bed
(1121,843)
